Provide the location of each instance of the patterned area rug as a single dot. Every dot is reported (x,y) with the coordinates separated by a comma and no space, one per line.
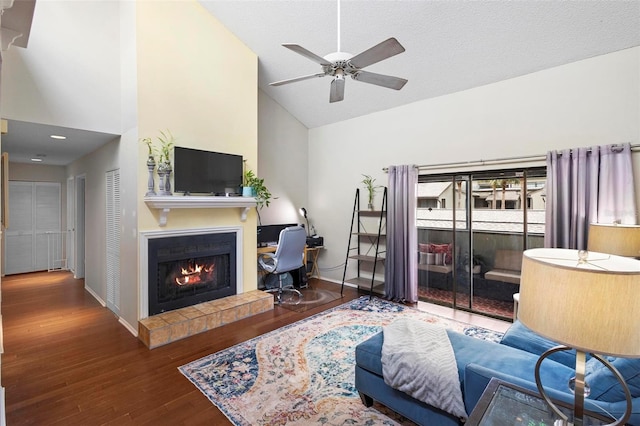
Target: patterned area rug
(304,373)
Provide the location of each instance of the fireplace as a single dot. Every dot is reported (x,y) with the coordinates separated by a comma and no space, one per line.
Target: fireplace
(187,269)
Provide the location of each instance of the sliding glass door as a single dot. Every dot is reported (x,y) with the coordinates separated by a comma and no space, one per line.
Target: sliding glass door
(472,229)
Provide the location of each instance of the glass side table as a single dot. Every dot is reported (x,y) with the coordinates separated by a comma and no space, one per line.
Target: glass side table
(505,404)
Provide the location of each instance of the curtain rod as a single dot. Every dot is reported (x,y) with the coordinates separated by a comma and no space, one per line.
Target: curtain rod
(495,161)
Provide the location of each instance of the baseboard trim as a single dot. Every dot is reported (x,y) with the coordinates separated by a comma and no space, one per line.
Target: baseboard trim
(3,420)
(128,326)
(95,295)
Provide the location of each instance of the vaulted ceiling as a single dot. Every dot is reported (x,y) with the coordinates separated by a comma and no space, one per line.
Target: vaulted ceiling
(450,46)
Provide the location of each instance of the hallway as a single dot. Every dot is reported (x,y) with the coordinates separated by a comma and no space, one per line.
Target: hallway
(68,360)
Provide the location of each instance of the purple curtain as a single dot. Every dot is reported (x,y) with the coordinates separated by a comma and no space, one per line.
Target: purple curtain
(586,185)
(401,264)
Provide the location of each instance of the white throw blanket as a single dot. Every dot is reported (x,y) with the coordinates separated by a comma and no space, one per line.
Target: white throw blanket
(417,359)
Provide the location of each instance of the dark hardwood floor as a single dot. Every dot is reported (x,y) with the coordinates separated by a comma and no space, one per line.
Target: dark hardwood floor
(67,360)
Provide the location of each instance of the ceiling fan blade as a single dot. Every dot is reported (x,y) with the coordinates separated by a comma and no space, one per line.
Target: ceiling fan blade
(307,54)
(388,81)
(337,90)
(293,80)
(377,53)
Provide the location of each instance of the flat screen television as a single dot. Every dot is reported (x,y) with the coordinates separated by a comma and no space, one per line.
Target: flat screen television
(206,172)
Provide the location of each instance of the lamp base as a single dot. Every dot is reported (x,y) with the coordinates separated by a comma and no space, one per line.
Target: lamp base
(579,388)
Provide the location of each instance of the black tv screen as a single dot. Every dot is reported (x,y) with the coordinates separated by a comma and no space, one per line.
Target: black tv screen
(205,172)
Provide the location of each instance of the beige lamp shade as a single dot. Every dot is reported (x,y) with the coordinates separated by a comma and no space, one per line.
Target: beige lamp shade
(621,240)
(585,300)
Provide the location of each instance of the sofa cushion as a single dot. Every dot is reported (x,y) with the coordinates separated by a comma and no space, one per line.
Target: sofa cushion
(472,350)
(506,267)
(521,337)
(508,259)
(604,385)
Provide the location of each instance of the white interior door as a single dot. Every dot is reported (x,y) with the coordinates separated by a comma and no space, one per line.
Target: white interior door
(19,237)
(35,211)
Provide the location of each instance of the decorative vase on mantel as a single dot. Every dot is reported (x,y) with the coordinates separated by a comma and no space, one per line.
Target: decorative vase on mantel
(164,171)
(151,183)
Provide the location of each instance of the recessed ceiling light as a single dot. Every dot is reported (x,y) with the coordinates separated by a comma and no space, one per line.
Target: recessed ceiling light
(37,160)
(58,137)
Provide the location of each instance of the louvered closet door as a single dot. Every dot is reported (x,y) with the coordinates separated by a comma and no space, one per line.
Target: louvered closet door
(35,210)
(113,240)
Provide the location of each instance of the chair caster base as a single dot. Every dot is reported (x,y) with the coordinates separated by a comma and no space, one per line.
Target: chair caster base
(289,296)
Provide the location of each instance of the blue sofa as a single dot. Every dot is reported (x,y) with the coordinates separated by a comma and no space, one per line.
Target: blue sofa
(512,360)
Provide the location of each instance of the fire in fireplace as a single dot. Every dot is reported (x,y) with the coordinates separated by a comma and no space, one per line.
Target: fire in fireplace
(187,270)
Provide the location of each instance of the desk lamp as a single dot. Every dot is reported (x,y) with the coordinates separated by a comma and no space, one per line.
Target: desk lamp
(586,301)
(622,240)
(303,212)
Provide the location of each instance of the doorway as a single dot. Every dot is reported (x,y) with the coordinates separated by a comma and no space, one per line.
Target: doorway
(79,233)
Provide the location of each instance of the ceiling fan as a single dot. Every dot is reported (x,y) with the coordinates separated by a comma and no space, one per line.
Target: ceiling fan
(341,64)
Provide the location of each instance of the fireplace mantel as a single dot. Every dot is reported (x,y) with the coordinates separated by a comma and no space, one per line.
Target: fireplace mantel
(166,203)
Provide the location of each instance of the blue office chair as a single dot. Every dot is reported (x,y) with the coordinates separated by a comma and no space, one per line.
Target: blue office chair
(288,257)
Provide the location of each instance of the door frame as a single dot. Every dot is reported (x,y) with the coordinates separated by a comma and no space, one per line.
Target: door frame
(79,218)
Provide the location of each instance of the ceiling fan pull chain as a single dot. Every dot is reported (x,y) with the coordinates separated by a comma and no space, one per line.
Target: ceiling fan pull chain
(338,26)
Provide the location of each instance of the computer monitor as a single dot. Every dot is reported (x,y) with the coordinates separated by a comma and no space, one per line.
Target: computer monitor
(269,234)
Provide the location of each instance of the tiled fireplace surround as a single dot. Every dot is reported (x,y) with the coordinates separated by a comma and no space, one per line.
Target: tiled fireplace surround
(167,327)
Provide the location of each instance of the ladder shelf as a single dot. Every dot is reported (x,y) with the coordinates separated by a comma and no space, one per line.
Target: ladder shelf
(366,247)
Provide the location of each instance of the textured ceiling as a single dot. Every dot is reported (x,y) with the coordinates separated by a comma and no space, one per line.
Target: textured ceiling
(450,45)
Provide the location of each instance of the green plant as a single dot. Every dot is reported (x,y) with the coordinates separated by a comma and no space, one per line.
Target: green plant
(261,192)
(149,143)
(248,178)
(369,183)
(167,142)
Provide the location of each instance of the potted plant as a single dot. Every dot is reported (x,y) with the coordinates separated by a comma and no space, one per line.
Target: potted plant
(369,183)
(258,190)
(151,166)
(248,178)
(167,141)
(477,263)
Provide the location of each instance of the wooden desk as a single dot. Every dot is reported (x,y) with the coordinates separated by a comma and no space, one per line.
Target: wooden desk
(310,253)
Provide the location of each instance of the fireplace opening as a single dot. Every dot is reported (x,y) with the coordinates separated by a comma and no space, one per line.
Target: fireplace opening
(188,270)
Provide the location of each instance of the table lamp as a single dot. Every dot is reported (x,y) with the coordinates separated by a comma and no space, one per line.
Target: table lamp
(622,240)
(584,301)
(303,213)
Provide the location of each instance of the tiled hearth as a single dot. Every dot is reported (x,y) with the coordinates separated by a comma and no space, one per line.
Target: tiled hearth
(171,326)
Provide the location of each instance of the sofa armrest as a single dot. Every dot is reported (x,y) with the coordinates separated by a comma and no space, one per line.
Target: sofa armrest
(520,337)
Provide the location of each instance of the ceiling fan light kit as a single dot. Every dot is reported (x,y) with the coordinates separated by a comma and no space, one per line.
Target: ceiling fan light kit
(340,64)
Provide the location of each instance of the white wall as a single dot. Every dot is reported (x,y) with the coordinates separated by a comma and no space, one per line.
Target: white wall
(282,161)
(51,85)
(591,102)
